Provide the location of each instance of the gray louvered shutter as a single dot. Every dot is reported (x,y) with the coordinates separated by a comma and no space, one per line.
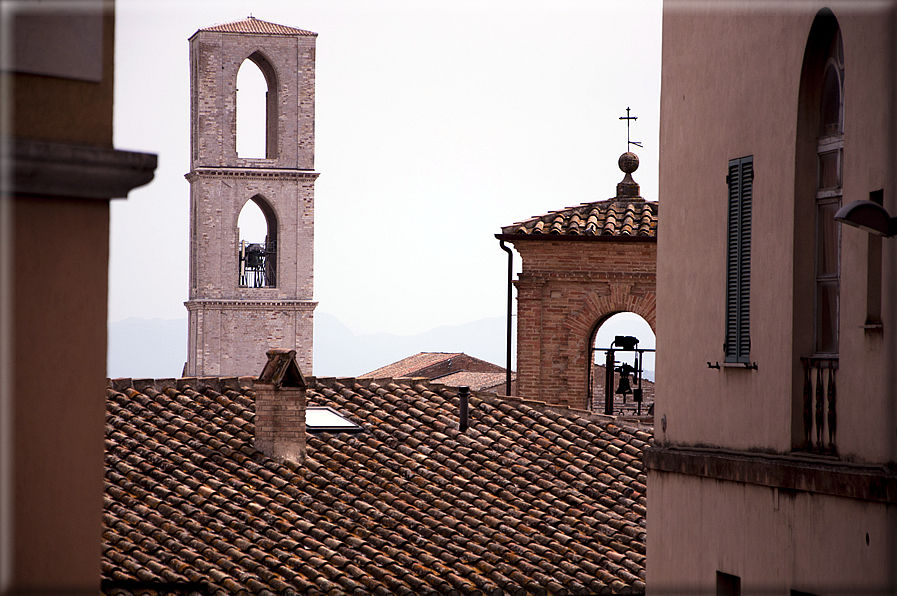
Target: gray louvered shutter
(738,260)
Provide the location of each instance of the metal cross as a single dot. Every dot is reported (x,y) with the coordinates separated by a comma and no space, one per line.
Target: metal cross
(627,118)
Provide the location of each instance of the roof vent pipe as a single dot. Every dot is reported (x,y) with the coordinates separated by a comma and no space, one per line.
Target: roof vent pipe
(463,418)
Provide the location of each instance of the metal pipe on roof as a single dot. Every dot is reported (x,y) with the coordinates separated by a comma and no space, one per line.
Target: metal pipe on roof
(464,414)
(510,304)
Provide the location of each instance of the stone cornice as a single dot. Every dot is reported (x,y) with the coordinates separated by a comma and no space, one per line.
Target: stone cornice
(54,169)
(250,304)
(790,472)
(227,172)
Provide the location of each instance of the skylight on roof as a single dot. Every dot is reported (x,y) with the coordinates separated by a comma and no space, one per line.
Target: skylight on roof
(320,419)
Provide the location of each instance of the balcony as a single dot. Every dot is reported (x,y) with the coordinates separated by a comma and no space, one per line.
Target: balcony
(820,405)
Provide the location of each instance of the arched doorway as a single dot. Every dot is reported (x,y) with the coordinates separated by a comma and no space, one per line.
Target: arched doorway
(613,357)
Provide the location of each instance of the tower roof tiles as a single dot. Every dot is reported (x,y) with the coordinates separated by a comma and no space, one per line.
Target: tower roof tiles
(259,27)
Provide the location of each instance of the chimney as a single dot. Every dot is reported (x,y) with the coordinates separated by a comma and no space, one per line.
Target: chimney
(280,408)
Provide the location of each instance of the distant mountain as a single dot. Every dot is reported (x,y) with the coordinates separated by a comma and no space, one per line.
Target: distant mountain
(157,348)
(339,352)
(147,348)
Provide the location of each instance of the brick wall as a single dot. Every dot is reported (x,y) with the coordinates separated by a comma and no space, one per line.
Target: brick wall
(231,328)
(565,289)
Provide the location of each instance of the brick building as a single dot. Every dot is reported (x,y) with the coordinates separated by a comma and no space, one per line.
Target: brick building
(245,299)
(581,265)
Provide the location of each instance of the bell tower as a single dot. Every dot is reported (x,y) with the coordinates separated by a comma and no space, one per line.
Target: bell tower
(247,298)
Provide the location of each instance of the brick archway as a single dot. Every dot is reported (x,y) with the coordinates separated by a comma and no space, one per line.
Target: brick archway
(582,325)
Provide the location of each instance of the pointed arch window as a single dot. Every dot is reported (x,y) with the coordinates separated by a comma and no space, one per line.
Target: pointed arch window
(256,109)
(257,247)
(830,156)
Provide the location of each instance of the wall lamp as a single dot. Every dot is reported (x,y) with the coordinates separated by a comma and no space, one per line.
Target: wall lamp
(868,216)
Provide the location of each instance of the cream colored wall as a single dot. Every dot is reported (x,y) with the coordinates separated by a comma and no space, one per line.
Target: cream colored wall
(774,540)
(730,83)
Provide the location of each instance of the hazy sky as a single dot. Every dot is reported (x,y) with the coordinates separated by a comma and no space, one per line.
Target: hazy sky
(436,124)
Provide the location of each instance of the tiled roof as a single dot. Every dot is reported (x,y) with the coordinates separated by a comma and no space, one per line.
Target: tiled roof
(258,26)
(477,381)
(408,366)
(613,217)
(529,500)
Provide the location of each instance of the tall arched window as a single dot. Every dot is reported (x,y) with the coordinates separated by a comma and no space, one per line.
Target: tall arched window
(817,242)
(256,113)
(257,246)
(829,150)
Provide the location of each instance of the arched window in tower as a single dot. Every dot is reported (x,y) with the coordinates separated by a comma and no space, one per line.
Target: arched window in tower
(622,365)
(257,246)
(256,114)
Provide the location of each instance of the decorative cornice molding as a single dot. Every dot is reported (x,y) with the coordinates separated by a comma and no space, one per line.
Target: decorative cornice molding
(282,174)
(46,168)
(795,472)
(250,304)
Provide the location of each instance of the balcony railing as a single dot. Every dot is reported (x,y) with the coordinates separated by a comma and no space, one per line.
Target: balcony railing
(257,265)
(820,420)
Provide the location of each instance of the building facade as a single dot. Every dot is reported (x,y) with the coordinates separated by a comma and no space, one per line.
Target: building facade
(775,414)
(248,298)
(58,171)
(581,265)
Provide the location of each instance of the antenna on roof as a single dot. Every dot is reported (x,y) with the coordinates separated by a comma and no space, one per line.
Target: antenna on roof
(627,118)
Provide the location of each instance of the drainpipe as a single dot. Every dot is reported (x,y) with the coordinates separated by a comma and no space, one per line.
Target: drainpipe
(508,337)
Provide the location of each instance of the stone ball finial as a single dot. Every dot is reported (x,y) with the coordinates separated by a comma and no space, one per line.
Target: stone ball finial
(628,162)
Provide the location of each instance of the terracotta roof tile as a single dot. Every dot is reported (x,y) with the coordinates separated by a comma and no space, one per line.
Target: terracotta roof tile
(613,217)
(529,499)
(258,26)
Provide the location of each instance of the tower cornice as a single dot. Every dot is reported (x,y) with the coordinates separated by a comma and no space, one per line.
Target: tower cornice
(279,173)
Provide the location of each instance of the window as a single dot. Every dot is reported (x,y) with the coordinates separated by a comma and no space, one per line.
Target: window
(829,156)
(257,244)
(323,419)
(727,585)
(738,260)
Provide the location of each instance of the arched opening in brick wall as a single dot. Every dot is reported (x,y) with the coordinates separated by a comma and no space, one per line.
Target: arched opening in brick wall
(256,113)
(603,335)
(257,246)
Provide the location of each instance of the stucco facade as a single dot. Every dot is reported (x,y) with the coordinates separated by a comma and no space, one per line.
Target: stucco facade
(59,170)
(232,323)
(736,488)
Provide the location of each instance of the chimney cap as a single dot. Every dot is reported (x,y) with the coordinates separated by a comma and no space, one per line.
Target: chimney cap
(281,370)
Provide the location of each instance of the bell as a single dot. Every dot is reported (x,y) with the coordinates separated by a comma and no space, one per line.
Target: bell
(625,388)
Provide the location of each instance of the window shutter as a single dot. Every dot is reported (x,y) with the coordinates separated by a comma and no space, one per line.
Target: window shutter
(738,260)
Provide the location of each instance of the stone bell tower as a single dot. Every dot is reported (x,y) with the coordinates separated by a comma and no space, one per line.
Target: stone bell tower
(248,299)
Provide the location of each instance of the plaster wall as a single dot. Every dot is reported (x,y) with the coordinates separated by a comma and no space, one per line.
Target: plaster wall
(773,539)
(736,94)
(54,255)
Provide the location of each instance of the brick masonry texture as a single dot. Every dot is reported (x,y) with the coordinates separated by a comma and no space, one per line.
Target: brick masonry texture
(230,328)
(532,499)
(581,265)
(564,292)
